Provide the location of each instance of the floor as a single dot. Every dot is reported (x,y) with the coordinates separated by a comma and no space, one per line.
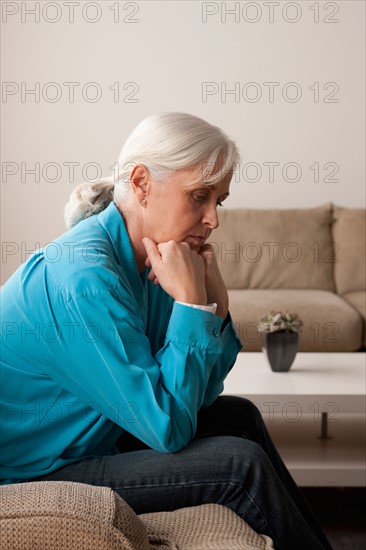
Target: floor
(342,514)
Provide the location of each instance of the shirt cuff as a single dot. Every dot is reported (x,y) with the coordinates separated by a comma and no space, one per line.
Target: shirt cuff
(211,308)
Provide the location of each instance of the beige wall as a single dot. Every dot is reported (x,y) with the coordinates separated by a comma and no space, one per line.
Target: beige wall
(180,56)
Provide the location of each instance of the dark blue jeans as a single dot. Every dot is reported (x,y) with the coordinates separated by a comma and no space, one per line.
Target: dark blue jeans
(231,461)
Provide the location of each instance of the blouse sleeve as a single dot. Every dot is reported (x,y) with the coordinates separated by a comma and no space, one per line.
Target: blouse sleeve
(231,346)
(105,358)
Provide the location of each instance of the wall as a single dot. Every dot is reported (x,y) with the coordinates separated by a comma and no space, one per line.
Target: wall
(296,71)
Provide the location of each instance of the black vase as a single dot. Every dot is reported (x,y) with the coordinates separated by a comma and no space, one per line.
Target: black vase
(280,349)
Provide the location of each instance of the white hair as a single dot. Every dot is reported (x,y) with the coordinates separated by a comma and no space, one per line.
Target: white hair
(163,143)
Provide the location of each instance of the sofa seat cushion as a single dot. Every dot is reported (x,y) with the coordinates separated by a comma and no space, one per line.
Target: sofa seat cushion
(358,301)
(290,248)
(76,516)
(330,323)
(209,526)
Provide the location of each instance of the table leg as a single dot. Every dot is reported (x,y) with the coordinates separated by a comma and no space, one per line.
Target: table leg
(324,427)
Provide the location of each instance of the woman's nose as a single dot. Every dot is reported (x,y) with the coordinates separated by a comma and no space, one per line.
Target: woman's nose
(210,217)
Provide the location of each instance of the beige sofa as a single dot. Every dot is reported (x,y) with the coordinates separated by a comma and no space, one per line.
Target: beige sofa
(45,515)
(310,261)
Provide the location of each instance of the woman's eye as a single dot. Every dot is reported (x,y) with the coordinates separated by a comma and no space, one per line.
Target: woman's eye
(201,198)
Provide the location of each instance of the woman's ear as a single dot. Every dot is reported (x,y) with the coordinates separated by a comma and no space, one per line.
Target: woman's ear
(139,182)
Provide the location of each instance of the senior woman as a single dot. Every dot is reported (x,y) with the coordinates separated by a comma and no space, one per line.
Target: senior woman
(117,339)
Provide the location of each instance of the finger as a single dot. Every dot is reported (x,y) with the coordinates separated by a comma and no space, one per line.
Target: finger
(151,276)
(147,262)
(152,250)
(156,281)
(207,252)
(207,249)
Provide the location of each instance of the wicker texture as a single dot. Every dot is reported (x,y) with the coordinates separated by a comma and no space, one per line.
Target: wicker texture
(74,516)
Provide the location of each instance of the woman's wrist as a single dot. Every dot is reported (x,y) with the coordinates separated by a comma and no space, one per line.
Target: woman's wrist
(199,299)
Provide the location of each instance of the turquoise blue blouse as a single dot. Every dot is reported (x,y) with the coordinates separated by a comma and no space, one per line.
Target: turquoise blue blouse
(91,348)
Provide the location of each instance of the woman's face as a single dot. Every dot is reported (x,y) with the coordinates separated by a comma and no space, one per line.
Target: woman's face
(179,211)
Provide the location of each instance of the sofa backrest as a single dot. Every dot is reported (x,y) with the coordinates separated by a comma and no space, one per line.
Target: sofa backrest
(349,235)
(276,248)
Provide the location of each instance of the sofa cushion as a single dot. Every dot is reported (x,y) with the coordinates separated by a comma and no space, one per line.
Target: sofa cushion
(67,515)
(330,322)
(76,516)
(349,235)
(209,526)
(275,248)
(358,301)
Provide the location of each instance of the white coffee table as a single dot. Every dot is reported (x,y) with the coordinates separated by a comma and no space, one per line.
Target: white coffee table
(315,413)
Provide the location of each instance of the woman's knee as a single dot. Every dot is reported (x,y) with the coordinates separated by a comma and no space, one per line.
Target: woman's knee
(236,455)
(246,450)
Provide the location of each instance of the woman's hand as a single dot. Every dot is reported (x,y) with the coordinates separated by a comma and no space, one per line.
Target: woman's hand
(178,269)
(215,286)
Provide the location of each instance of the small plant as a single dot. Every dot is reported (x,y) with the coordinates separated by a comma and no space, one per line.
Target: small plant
(278,321)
